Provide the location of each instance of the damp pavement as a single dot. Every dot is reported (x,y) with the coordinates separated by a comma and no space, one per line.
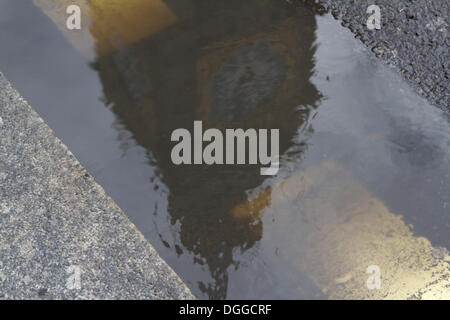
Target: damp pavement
(56,221)
(413,39)
(61,236)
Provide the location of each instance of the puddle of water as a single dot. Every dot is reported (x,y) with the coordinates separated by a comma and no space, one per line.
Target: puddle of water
(364,176)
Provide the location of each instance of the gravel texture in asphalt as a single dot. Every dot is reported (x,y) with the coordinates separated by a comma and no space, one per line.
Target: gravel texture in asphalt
(413,39)
(61,236)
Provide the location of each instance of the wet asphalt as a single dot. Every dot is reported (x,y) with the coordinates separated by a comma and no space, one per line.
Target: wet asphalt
(413,39)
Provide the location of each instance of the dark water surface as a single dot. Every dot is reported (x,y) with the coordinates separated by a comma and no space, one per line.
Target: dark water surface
(352,135)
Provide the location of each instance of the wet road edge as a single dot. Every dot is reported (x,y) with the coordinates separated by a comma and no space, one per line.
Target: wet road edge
(413,39)
(61,236)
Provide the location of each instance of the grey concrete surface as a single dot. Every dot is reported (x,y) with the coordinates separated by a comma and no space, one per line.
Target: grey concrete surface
(413,39)
(55,220)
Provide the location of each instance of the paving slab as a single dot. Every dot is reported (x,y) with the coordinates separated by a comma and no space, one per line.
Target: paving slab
(61,236)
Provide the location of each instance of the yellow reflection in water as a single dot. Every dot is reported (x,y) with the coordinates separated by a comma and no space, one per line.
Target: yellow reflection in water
(346,229)
(112,23)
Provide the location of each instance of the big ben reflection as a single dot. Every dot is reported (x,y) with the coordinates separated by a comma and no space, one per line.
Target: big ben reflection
(231,64)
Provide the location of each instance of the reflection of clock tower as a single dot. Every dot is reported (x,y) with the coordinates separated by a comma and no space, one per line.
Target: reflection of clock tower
(231,64)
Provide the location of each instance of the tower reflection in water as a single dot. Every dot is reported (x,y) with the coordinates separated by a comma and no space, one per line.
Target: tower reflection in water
(231,64)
